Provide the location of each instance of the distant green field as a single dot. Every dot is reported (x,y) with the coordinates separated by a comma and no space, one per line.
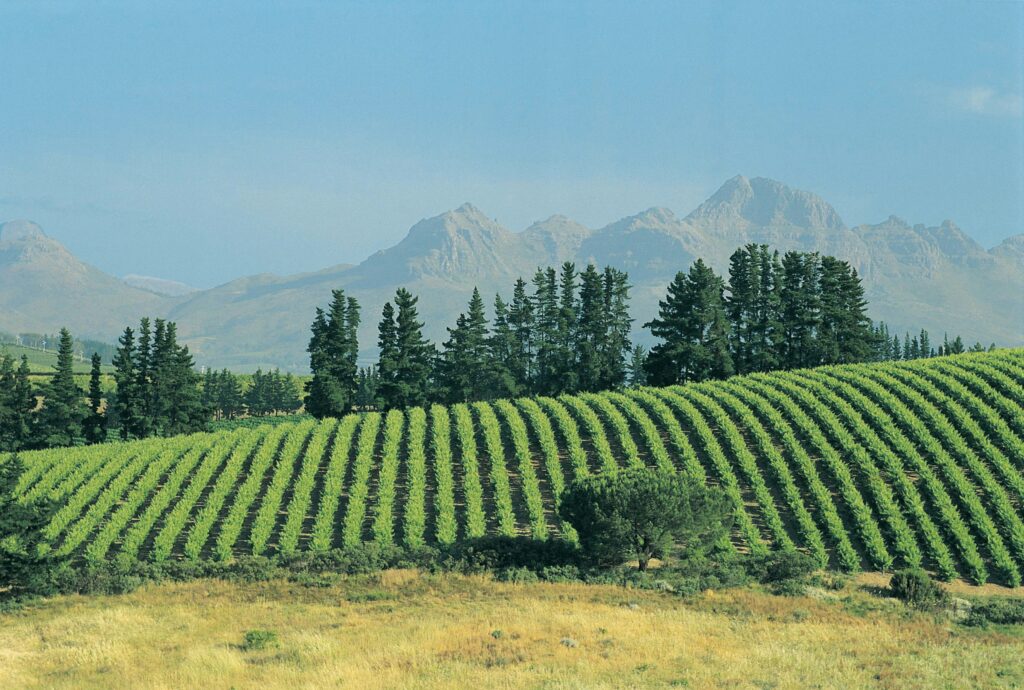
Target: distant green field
(869,466)
(46,362)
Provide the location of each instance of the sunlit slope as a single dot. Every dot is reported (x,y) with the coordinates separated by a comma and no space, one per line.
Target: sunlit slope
(864,466)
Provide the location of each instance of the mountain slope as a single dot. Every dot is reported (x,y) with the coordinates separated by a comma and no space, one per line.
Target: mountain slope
(43,287)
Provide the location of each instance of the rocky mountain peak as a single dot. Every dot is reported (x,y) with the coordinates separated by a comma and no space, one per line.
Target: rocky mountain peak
(15,230)
(763,202)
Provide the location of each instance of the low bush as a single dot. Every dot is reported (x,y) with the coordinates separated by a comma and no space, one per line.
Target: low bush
(500,552)
(1002,611)
(256,640)
(779,566)
(517,575)
(915,587)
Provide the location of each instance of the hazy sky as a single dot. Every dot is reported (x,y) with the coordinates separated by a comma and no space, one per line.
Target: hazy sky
(202,144)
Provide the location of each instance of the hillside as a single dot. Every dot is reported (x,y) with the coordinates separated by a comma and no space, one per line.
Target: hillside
(863,466)
(44,287)
(915,276)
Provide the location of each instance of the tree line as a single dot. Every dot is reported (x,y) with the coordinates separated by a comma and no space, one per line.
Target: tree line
(227,396)
(568,331)
(565,331)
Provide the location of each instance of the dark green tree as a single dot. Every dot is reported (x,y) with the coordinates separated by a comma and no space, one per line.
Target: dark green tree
(406,358)
(126,403)
(387,362)
(143,425)
(693,330)
(17,404)
(800,310)
(26,564)
(59,422)
(505,370)
(95,426)
(644,513)
(616,346)
(545,332)
(845,332)
(464,371)
(520,363)
(591,329)
(637,366)
(333,352)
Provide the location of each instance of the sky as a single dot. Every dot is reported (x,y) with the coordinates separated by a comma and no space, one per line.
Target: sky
(205,141)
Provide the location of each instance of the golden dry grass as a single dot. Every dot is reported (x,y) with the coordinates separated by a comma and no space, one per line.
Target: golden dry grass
(406,630)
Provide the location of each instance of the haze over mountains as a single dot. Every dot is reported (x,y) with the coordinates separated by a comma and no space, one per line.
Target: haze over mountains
(916,277)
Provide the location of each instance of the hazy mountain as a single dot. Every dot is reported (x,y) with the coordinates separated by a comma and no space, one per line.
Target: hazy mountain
(161,286)
(43,287)
(916,276)
(1011,248)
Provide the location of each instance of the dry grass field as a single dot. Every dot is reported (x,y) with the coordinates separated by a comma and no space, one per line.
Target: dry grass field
(408,630)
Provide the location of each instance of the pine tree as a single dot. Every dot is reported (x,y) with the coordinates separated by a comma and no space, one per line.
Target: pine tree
(692,324)
(618,324)
(369,383)
(565,360)
(95,427)
(476,354)
(545,331)
(17,403)
(387,363)
(800,310)
(60,420)
(741,306)
(925,344)
(414,355)
(521,324)
(333,351)
(767,327)
(504,366)
(229,397)
(143,384)
(637,366)
(126,399)
(591,329)
(183,411)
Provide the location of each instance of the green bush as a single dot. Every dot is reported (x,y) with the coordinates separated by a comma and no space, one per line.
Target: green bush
(560,573)
(518,576)
(256,640)
(915,587)
(1001,611)
(782,566)
(501,552)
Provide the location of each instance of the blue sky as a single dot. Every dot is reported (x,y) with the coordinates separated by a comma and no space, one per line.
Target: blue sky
(202,143)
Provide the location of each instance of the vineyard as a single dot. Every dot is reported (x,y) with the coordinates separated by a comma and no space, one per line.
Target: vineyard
(872,466)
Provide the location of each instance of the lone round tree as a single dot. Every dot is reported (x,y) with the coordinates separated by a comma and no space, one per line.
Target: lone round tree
(643,513)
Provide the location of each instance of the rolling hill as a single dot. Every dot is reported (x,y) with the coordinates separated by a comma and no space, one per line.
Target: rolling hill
(862,466)
(915,276)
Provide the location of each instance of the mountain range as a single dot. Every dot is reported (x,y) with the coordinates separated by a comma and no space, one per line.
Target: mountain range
(915,276)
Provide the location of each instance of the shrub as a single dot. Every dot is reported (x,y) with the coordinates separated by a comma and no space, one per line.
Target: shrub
(915,587)
(1002,611)
(256,640)
(560,573)
(782,566)
(518,576)
(501,552)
